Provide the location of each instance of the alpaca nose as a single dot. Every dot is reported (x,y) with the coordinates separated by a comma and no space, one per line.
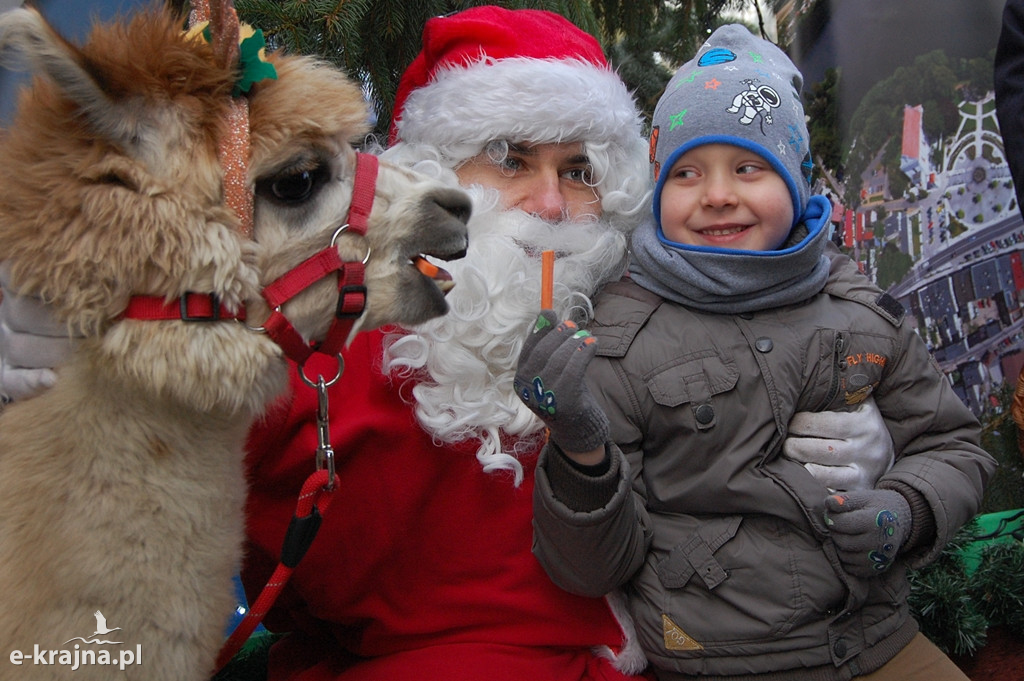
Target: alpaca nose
(448,211)
(454,202)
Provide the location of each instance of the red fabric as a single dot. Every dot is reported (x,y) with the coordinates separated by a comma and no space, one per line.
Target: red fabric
(423,562)
(498,33)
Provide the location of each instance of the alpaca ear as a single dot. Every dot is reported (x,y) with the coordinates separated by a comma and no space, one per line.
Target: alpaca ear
(26,34)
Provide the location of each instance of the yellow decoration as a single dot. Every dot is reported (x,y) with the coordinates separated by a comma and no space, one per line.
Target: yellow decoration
(676,638)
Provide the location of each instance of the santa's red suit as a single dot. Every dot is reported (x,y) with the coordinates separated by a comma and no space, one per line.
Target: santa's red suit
(422,569)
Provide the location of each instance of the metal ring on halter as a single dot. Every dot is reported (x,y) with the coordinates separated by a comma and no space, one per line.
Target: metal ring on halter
(338,233)
(262,329)
(313,384)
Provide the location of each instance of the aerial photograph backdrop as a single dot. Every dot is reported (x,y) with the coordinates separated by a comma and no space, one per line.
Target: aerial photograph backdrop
(902,118)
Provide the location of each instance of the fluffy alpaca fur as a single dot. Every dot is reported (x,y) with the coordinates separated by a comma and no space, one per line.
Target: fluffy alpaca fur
(121,488)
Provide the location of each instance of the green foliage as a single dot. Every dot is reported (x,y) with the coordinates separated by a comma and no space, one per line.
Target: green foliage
(647,43)
(978,581)
(998,585)
(892,266)
(822,109)
(899,183)
(375,40)
(942,605)
(956,602)
(372,41)
(999,438)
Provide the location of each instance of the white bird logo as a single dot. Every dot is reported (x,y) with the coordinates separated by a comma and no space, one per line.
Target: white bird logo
(101,630)
(101,625)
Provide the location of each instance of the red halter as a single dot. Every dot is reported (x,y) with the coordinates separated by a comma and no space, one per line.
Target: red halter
(206,307)
(351,290)
(191,307)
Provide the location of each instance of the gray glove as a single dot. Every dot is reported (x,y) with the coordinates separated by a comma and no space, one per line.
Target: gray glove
(32,342)
(868,528)
(843,450)
(549,380)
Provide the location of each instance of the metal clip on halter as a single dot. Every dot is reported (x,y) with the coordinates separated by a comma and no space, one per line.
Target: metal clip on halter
(324,451)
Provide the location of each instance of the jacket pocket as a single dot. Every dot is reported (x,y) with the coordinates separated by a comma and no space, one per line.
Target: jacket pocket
(850,366)
(694,379)
(735,584)
(695,556)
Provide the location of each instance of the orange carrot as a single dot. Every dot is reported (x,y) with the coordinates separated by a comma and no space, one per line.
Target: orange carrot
(547,279)
(425,266)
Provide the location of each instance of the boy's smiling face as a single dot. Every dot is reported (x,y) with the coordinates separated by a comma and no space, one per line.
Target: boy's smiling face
(725,196)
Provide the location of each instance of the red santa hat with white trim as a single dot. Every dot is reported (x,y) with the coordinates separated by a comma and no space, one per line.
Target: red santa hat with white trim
(489,73)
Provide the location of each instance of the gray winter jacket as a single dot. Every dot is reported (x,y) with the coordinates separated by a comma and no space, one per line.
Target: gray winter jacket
(718,540)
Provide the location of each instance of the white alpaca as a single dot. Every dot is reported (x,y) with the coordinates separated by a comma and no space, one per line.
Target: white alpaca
(121,488)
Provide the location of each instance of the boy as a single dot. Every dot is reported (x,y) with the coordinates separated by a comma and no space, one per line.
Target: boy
(664,473)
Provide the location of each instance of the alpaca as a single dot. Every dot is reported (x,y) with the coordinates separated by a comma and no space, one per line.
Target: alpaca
(122,488)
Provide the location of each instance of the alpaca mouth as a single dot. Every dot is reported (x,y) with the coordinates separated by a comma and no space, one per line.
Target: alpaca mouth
(441,277)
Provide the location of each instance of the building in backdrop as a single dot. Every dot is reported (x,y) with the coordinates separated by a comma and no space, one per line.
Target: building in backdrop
(922,192)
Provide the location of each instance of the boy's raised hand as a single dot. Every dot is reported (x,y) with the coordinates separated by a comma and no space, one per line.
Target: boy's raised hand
(868,528)
(549,380)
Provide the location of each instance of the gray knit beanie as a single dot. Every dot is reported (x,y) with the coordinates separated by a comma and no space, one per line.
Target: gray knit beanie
(741,90)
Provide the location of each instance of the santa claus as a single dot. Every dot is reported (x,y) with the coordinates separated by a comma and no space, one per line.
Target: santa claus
(422,568)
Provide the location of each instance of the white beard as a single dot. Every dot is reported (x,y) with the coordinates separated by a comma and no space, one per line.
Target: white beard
(466,360)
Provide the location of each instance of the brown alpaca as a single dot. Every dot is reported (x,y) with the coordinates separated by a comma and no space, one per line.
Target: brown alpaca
(121,488)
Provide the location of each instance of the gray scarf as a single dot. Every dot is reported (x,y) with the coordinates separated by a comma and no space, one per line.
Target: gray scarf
(723,281)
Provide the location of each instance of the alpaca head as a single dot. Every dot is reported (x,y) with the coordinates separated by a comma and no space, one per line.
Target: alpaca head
(113,187)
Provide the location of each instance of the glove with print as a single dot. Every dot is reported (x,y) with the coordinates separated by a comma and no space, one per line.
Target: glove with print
(549,381)
(868,528)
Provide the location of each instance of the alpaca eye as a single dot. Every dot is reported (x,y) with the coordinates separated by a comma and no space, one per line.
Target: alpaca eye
(293,186)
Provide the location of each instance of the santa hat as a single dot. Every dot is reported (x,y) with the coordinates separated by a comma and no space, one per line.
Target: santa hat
(489,73)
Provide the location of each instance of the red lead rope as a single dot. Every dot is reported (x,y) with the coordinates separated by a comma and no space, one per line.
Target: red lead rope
(316,492)
(314,499)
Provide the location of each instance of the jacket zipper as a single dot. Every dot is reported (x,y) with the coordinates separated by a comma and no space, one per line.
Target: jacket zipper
(838,364)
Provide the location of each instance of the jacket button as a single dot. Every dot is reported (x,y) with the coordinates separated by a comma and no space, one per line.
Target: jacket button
(704,414)
(764,344)
(839,648)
